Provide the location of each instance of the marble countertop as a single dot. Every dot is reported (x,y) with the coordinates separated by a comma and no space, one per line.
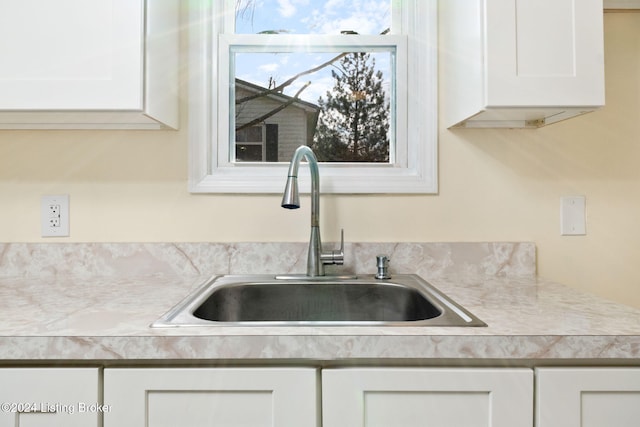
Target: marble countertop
(76,317)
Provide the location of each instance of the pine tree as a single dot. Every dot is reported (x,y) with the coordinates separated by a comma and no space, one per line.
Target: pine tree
(354,122)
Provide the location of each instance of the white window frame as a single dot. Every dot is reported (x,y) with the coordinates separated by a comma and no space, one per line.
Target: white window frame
(413,166)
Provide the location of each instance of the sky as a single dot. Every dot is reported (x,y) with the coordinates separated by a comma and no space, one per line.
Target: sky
(305,17)
(314,16)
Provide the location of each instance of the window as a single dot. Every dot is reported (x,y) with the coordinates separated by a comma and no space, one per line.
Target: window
(257,143)
(244,126)
(250,144)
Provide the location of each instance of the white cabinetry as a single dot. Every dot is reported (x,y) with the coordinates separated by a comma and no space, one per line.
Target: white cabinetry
(89,64)
(49,397)
(408,397)
(520,63)
(291,397)
(224,397)
(587,397)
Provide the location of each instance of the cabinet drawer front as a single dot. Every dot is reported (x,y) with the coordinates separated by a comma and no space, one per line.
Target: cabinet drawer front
(408,397)
(50,397)
(225,397)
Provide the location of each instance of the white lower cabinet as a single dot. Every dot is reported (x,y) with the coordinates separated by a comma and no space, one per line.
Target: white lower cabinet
(332,397)
(291,397)
(50,397)
(221,397)
(412,397)
(588,397)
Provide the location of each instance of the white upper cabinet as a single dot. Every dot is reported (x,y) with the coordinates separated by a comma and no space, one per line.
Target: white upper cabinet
(69,64)
(520,63)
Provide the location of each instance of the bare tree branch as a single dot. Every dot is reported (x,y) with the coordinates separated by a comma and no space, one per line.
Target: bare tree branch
(280,88)
(274,111)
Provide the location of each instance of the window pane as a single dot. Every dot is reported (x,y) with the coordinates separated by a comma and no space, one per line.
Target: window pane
(248,153)
(249,134)
(312,17)
(343,108)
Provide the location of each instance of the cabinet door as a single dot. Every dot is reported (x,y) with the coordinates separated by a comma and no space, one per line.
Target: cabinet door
(412,397)
(49,397)
(544,52)
(588,397)
(71,54)
(221,397)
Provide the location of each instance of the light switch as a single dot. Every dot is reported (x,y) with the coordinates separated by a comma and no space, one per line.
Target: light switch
(573,216)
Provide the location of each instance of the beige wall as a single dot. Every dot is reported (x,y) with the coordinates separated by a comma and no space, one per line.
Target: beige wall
(495,185)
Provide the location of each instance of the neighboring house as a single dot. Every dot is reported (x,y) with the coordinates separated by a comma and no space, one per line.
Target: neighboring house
(275,138)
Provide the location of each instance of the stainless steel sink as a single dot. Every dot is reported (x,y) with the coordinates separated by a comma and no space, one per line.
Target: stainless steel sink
(404,300)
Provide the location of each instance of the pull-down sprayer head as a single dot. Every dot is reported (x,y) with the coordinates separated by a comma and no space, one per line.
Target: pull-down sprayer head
(291,197)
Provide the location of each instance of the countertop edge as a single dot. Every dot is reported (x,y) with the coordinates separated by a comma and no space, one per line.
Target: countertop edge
(323,348)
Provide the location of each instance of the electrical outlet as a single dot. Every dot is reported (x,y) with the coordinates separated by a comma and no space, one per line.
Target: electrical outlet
(54,215)
(54,210)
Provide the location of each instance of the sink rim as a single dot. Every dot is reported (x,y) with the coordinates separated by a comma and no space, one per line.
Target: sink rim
(181,315)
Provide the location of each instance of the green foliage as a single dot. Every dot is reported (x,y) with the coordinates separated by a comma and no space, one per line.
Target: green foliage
(354,122)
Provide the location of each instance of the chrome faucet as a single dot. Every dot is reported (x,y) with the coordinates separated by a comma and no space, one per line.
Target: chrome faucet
(317,258)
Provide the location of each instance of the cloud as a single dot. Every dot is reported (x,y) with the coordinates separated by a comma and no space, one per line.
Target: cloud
(361,16)
(286,8)
(269,68)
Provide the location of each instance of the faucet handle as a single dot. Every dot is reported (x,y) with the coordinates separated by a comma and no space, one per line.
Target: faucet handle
(335,256)
(340,253)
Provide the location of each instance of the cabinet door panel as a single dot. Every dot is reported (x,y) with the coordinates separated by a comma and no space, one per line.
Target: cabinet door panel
(49,397)
(551,47)
(229,409)
(588,397)
(412,397)
(408,409)
(71,54)
(224,397)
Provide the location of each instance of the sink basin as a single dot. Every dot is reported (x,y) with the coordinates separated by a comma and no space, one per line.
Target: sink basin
(263,300)
(307,302)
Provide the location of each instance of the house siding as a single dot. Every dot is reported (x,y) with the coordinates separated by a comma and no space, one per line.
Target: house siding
(292,122)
